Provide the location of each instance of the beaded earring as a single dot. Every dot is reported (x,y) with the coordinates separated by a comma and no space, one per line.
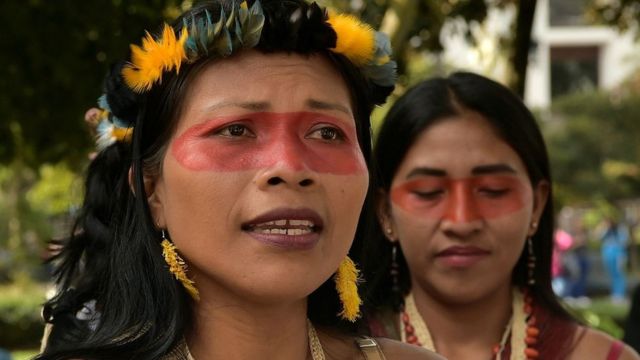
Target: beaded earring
(394,270)
(177,266)
(531,264)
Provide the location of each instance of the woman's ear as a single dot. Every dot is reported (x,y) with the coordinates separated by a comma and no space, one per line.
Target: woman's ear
(383,212)
(154,193)
(540,198)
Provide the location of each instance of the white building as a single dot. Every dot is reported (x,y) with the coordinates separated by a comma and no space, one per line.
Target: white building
(570,55)
(567,53)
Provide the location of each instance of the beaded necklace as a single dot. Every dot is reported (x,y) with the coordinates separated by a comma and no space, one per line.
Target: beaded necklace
(521,331)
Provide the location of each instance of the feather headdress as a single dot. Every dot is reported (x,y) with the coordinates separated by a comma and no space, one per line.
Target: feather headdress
(241,28)
(153,58)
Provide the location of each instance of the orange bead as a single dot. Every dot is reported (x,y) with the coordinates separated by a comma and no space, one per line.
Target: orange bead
(496,348)
(533,331)
(531,353)
(530,340)
(412,339)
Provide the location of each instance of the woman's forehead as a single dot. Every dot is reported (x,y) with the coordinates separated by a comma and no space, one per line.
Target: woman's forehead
(461,144)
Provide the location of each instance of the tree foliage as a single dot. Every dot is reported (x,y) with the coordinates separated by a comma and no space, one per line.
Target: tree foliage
(55,54)
(594,147)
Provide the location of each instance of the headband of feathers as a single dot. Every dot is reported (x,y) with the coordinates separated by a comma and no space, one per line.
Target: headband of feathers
(242,28)
(305,30)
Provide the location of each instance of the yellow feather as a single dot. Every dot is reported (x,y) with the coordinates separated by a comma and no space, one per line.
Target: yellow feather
(346,279)
(177,266)
(122,134)
(153,58)
(355,39)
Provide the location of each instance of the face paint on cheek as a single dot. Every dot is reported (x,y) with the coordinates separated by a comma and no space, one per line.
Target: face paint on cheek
(462,200)
(276,138)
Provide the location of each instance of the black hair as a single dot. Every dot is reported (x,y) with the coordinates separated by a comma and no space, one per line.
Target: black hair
(420,108)
(114,255)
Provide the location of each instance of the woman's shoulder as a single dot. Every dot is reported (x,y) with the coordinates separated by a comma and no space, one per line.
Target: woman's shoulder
(594,344)
(394,349)
(341,346)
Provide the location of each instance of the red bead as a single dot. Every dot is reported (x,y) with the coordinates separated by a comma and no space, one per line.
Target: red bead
(496,348)
(531,353)
(412,339)
(532,321)
(530,340)
(532,331)
(408,329)
(527,309)
(405,317)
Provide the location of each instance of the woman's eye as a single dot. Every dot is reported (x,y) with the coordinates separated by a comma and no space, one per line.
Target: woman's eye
(327,133)
(493,193)
(235,130)
(429,195)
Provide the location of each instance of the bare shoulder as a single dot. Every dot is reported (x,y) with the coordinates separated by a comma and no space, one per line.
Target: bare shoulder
(396,350)
(594,344)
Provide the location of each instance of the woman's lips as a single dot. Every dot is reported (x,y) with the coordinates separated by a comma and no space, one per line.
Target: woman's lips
(461,256)
(286,228)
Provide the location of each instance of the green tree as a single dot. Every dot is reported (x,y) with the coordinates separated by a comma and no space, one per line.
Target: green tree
(593,142)
(55,54)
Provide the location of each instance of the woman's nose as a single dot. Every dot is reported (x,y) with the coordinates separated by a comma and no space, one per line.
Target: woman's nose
(461,213)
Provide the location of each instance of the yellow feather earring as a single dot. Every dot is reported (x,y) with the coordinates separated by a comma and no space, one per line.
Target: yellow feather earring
(346,279)
(177,266)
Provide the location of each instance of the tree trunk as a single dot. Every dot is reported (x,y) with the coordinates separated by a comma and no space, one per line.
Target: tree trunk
(397,22)
(521,45)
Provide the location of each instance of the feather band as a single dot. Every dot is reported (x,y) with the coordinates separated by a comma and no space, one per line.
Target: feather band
(153,58)
(355,39)
(242,28)
(364,47)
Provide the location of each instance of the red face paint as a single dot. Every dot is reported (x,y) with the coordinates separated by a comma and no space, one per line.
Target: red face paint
(462,200)
(294,139)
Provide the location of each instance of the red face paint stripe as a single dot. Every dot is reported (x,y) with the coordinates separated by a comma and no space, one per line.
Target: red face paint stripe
(289,138)
(462,200)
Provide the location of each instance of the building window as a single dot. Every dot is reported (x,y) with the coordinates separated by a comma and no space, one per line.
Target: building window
(573,69)
(567,12)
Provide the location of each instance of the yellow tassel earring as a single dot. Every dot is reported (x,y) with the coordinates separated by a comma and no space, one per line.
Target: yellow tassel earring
(346,279)
(177,266)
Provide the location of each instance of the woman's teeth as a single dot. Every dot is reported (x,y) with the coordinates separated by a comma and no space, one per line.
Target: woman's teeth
(285,227)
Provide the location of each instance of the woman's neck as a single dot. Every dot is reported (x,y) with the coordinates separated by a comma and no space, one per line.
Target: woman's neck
(466,330)
(236,329)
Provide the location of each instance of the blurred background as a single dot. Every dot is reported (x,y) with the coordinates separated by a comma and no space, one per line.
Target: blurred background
(575,62)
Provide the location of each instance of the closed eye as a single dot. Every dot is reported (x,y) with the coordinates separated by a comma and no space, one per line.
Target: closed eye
(429,195)
(493,193)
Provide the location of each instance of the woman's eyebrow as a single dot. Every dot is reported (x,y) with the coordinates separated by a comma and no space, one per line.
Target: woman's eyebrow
(492,169)
(313,104)
(248,105)
(323,105)
(421,171)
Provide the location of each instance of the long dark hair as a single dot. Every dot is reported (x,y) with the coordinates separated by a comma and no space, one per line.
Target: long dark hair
(114,256)
(421,107)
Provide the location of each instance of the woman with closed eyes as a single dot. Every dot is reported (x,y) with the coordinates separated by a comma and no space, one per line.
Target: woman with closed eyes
(460,262)
(225,196)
